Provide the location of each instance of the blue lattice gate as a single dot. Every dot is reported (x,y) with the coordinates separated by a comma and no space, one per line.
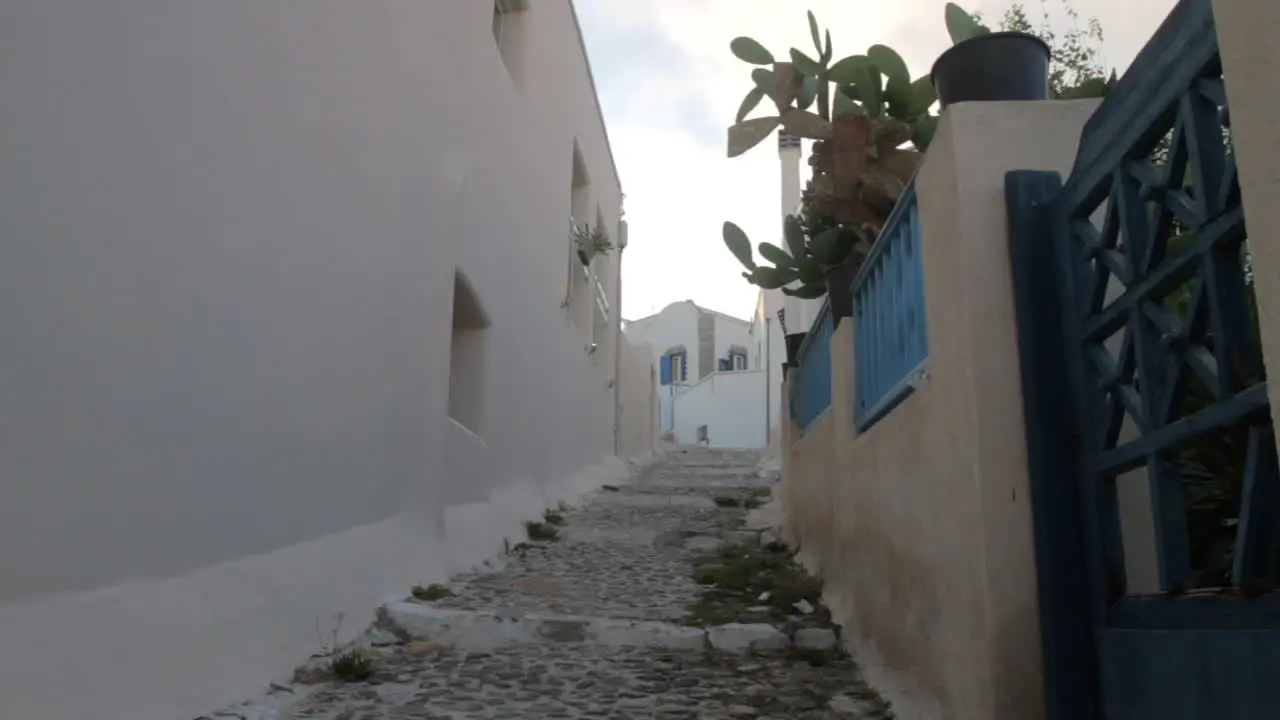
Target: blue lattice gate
(1141,364)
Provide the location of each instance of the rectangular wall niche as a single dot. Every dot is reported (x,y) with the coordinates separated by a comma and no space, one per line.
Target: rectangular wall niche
(468,357)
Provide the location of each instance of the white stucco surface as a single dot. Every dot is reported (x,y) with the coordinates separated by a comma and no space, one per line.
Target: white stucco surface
(232,231)
(732,331)
(677,325)
(772,352)
(730,404)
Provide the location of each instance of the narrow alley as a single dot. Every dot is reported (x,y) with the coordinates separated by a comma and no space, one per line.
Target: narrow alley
(644,602)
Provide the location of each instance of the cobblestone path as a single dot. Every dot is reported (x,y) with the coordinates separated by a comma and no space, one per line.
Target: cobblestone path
(593,624)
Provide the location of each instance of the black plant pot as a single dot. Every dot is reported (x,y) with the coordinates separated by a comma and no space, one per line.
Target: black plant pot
(840,290)
(794,341)
(998,66)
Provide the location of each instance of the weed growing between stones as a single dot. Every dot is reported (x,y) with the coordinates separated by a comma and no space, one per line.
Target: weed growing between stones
(541,531)
(551,517)
(351,666)
(728,501)
(744,583)
(430,593)
(609,488)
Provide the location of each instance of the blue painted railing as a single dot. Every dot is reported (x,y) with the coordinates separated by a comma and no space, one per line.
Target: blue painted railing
(811,391)
(890,343)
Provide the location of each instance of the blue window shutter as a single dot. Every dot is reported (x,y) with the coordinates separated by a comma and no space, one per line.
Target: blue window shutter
(725,364)
(665,370)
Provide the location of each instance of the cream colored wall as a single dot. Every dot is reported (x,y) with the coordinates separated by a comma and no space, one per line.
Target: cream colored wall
(231,231)
(638,401)
(1247,34)
(923,534)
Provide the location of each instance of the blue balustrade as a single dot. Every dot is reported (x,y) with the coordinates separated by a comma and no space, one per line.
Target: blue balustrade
(890,339)
(811,390)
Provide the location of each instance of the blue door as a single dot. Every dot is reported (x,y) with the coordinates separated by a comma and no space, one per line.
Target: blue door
(1141,363)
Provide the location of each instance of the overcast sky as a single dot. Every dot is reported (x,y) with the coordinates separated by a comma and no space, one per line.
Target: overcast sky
(670,87)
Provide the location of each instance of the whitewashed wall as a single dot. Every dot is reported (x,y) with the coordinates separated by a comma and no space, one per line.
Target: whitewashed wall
(773,352)
(231,231)
(730,404)
(638,404)
(732,331)
(676,324)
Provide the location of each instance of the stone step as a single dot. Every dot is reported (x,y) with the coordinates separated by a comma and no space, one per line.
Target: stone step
(477,631)
(575,681)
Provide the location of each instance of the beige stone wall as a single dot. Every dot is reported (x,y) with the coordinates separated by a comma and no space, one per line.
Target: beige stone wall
(921,528)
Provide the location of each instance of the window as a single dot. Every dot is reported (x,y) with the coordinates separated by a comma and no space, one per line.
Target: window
(506,28)
(739,360)
(468,355)
(674,368)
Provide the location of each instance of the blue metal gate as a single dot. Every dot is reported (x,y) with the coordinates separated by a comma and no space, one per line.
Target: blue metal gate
(1140,354)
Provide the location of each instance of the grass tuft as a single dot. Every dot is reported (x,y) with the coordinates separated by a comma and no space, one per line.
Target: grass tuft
(541,531)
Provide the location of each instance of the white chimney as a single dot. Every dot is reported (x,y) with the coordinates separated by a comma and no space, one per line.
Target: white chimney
(797,310)
(789,162)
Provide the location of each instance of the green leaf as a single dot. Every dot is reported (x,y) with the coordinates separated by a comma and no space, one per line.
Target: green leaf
(810,271)
(1091,88)
(868,89)
(845,72)
(794,235)
(749,103)
(826,52)
(897,97)
(813,33)
(763,78)
(773,278)
(922,132)
(827,248)
(747,134)
(844,105)
(802,123)
(923,96)
(889,62)
(749,51)
(808,91)
(775,255)
(738,243)
(961,25)
(810,292)
(805,64)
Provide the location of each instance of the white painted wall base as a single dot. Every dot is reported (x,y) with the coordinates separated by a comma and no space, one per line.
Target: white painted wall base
(173,648)
(730,404)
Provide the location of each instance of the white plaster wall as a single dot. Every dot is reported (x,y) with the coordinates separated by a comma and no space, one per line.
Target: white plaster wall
(230,236)
(730,404)
(732,331)
(638,408)
(773,352)
(675,324)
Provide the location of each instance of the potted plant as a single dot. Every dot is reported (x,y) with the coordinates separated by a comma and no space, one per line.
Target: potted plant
(793,342)
(590,243)
(867,110)
(985,65)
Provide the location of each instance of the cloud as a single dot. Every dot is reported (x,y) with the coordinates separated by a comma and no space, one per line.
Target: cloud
(669,87)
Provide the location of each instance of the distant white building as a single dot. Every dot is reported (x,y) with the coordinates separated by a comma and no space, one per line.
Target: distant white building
(293,322)
(707,367)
